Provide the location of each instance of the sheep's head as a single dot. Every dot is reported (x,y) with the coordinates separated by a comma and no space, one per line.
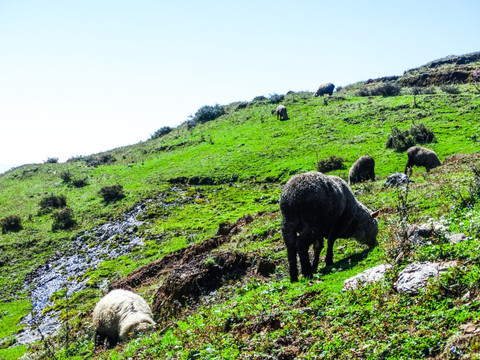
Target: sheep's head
(367,230)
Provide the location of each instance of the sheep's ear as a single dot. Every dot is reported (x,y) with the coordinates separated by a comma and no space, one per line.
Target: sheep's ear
(375,214)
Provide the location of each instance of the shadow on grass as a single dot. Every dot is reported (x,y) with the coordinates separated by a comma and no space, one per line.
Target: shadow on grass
(347,263)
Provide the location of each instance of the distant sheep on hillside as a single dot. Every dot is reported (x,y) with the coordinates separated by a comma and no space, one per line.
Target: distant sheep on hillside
(281,112)
(324,89)
(315,206)
(120,314)
(363,169)
(420,156)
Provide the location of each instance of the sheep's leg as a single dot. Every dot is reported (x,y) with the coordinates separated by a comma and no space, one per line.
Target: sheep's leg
(305,239)
(99,339)
(112,341)
(329,257)
(317,248)
(290,238)
(409,164)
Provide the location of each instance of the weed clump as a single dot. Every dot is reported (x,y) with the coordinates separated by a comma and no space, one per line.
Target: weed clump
(450,89)
(51,202)
(63,219)
(275,98)
(12,223)
(161,132)
(401,140)
(208,113)
(331,163)
(53,160)
(387,89)
(100,160)
(112,193)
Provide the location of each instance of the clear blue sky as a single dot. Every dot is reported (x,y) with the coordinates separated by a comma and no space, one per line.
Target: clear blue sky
(80,77)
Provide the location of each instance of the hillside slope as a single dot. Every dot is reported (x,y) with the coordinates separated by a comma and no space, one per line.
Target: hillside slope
(204,199)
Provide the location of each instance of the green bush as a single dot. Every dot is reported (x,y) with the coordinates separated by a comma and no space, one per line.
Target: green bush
(103,159)
(450,89)
(12,223)
(160,132)
(51,202)
(53,160)
(66,176)
(333,162)
(386,89)
(112,193)
(63,219)
(275,98)
(401,140)
(79,183)
(422,134)
(208,113)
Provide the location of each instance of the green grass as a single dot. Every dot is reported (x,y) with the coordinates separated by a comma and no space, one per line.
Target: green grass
(245,156)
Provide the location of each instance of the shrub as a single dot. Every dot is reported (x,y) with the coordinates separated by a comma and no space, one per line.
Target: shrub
(259,98)
(401,140)
(79,183)
(63,219)
(112,193)
(275,98)
(52,160)
(363,92)
(208,113)
(103,159)
(386,89)
(160,132)
(66,176)
(422,134)
(333,162)
(450,89)
(12,223)
(51,202)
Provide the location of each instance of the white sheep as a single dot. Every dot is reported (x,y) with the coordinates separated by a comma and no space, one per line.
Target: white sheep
(119,315)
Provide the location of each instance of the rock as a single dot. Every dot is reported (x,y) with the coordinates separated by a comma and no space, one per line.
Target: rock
(415,276)
(397,179)
(457,238)
(371,275)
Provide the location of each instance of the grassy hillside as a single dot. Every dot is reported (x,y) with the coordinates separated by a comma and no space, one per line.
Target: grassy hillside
(196,178)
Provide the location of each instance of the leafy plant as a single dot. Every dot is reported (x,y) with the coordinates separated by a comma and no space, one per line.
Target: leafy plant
(51,202)
(208,113)
(450,89)
(161,132)
(63,219)
(387,89)
(53,160)
(112,193)
(400,140)
(333,162)
(12,223)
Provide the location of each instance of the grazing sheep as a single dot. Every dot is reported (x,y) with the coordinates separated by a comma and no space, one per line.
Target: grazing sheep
(363,169)
(281,112)
(118,315)
(316,206)
(421,156)
(324,89)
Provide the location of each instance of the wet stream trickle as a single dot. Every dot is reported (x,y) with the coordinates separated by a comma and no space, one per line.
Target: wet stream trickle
(86,252)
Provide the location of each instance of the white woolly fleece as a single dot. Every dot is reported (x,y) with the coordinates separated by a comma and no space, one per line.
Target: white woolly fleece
(122,312)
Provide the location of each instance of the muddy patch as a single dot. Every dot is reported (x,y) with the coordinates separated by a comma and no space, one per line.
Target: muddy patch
(152,272)
(190,281)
